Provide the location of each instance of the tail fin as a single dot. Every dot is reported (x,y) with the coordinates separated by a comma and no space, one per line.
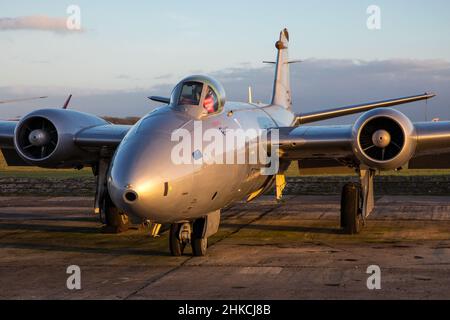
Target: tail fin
(281,87)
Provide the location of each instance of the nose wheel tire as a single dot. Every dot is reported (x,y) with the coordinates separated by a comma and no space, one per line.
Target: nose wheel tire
(178,241)
(176,246)
(115,220)
(199,246)
(351,209)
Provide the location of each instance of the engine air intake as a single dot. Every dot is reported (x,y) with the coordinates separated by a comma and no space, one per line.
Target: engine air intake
(37,138)
(382,139)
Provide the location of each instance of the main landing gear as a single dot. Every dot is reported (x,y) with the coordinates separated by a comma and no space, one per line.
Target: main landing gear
(351,208)
(357,202)
(194,233)
(114,220)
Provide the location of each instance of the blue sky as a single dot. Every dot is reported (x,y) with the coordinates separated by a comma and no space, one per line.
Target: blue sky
(135,46)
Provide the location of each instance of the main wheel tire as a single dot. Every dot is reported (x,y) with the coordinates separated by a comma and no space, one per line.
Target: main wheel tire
(351,214)
(176,246)
(199,246)
(116,221)
(102,216)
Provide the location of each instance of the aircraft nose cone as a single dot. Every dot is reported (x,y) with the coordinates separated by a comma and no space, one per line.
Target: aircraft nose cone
(132,182)
(143,181)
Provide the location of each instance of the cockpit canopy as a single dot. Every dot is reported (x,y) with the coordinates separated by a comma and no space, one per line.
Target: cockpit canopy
(198,95)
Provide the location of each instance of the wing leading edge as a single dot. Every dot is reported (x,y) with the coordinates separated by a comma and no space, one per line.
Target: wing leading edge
(108,135)
(348,110)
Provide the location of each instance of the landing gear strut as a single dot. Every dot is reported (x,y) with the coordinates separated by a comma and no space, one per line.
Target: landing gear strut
(351,208)
(115,220)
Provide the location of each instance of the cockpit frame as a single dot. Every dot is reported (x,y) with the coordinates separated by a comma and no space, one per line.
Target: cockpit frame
(199,110)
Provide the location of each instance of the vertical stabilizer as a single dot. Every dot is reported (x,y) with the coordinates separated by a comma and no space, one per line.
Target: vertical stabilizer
(281,87)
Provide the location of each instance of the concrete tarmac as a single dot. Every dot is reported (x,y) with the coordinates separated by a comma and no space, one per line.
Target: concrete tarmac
(264,250)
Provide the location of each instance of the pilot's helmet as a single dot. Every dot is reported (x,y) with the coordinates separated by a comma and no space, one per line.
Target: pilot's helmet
(199,96)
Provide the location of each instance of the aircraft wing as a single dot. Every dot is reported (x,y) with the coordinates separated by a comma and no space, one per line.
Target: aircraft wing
(322,143)
(91,138)
(311,117)
(7,133)
(108,135)
(331,146)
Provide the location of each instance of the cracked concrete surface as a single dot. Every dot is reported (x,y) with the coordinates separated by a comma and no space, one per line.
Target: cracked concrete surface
(264,250)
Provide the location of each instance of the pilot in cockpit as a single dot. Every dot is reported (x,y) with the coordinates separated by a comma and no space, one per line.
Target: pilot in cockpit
(191,95)
(210,103)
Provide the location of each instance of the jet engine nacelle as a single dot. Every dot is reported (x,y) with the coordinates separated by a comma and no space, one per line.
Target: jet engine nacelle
(45,138)
(384,139)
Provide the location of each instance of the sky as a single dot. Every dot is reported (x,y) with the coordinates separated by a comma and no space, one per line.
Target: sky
(126,51)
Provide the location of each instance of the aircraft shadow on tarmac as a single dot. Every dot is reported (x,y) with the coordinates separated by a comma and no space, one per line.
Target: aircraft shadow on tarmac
(300,229)
(47,228)
(89,250)
(109,248)
(25,216)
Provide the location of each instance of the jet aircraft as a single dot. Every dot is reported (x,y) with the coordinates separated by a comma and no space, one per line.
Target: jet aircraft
(137,179)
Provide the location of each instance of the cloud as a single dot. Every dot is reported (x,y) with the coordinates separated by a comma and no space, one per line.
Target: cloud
(326,83)
(124,77)
(40,61)
(40,23)
(128,77)
(316,84)
(164,76)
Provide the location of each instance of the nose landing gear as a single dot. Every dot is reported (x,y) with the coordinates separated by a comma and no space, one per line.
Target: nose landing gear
(194,233)
(176,241)
(181,235)
(199,246)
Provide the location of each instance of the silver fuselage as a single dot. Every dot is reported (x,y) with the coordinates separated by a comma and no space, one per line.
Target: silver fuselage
(168,192)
